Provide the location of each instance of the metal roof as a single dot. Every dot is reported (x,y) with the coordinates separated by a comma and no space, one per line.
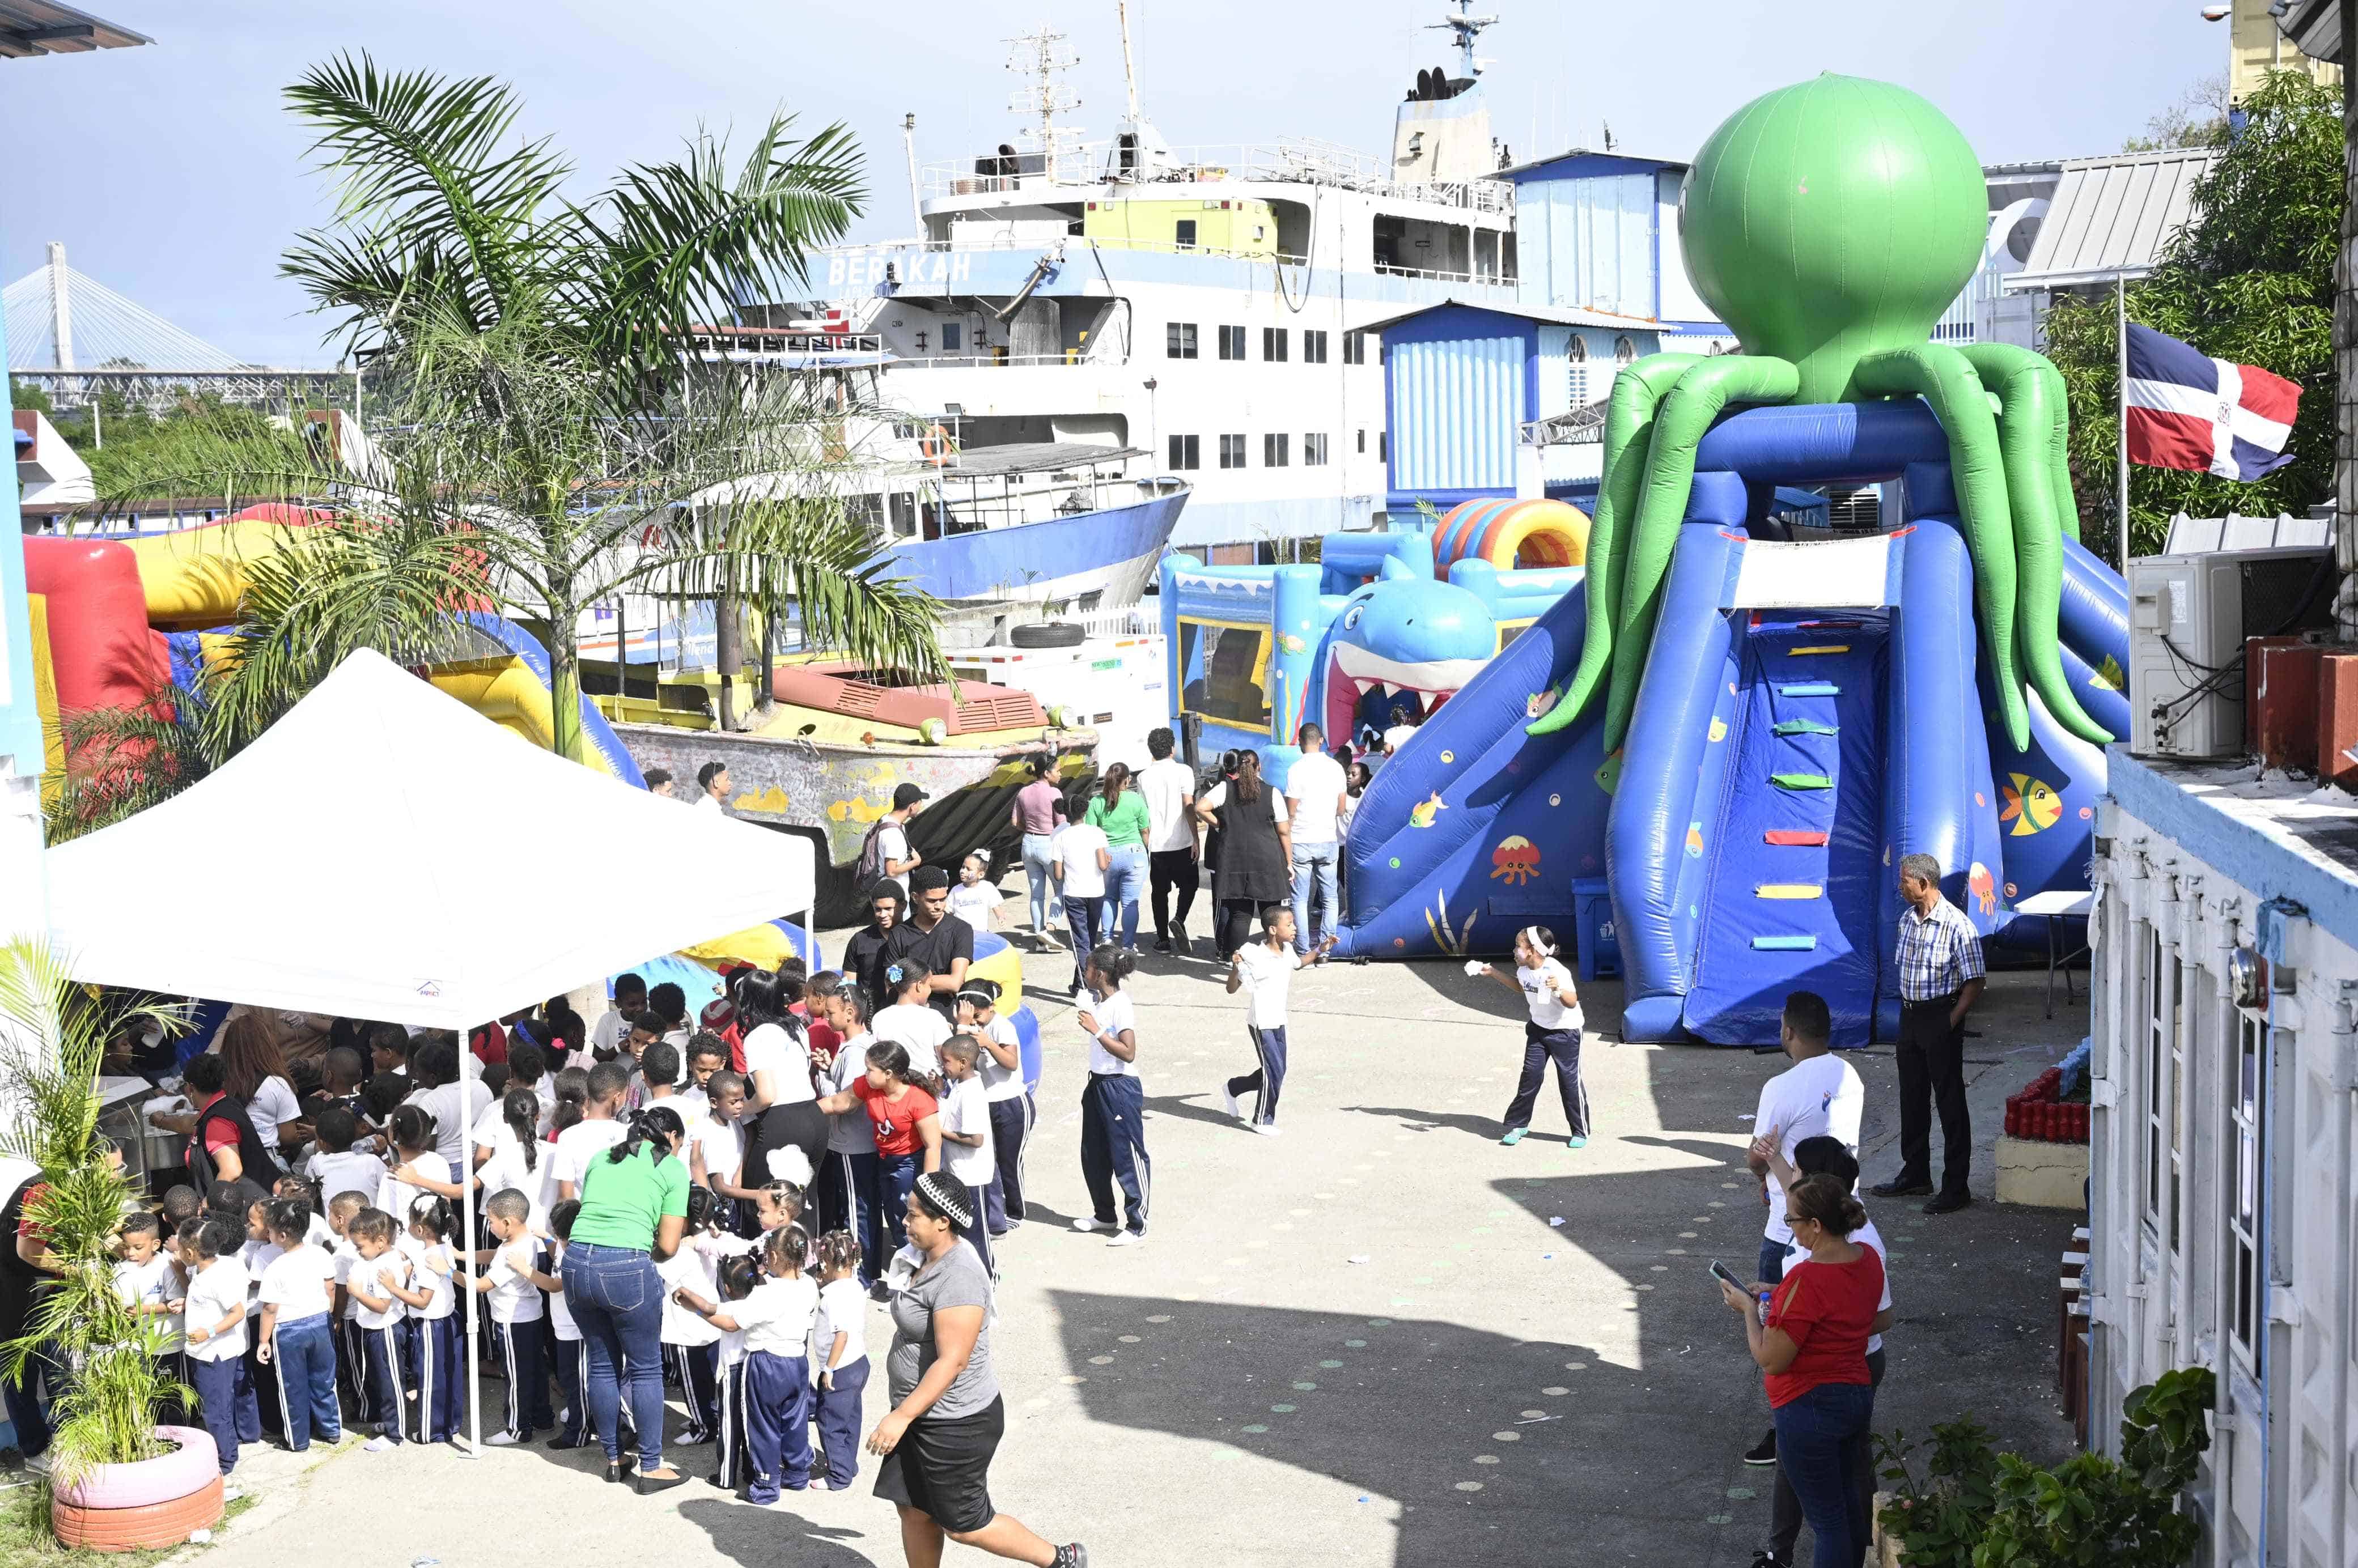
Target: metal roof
(2109,217)
(1031,456)
(1555,315)
(2314,27)
(1529,164)
(29,28)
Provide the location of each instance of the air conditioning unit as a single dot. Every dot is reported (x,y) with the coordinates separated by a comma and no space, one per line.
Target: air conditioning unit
(2188,618)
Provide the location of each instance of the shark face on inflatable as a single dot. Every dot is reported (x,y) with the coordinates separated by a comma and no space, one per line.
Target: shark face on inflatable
(1413,639)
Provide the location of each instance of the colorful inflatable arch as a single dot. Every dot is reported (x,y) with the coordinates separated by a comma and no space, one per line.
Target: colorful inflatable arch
(1508,534)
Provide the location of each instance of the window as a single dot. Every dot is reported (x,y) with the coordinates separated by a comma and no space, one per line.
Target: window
(1232,451)
(1273,451)
(1186,452)
(2163,1158)
(1624,352)
(1272,344)
(1383,446)
(1363,439)
(1232,342)
(1179,341)
(1576,365)
(1223,672)
(1314,450)
(952,332)
(1355,348)
(2247,1087)
(1313,347)
(1184,233)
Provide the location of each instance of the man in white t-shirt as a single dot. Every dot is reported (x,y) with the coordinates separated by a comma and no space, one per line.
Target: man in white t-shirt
(1078,857)
(712,787)
(1819,1095)
(1169,786)
(894,857)
(1315,787)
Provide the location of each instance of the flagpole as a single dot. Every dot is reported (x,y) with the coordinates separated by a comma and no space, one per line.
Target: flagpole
(2121,480)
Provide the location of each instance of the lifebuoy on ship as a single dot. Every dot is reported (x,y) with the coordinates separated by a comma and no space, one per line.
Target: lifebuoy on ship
(936,446)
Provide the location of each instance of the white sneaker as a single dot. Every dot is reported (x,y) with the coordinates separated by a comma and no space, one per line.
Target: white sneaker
(1085,1223)
(1228,1103)
(379,1444)
(1127,1238)
(1266,1128)
(502,1440)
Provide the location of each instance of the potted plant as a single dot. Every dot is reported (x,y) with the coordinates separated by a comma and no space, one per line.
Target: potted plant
(119,1479)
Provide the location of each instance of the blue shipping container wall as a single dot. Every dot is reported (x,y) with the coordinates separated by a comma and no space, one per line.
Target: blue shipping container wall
(1587,243)
(1456,400)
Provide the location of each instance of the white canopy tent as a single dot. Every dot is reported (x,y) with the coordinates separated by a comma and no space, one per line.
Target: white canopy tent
(384,851)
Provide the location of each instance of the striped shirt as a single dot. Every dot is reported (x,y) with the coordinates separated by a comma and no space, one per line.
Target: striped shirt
(1938,953)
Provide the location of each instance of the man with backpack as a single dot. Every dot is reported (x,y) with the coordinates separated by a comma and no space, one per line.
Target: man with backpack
(886,852)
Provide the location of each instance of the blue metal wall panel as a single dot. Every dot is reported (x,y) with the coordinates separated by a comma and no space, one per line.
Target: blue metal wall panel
(1455,405)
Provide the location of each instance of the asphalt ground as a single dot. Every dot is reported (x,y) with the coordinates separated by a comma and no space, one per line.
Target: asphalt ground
(1379,1338)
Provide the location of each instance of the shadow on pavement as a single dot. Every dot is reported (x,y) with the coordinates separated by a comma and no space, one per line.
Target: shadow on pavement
(767,1537)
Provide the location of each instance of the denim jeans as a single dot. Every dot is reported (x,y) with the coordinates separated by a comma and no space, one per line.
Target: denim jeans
(616,1297)
(1081,915)
(1822,1438)
(1125,886)
(1313,885)
(1036,863)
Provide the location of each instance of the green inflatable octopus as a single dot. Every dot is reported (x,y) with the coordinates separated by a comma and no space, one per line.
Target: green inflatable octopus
(1830,223)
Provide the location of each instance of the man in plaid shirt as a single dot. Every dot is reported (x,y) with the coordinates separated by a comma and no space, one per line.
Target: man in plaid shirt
(1940,965)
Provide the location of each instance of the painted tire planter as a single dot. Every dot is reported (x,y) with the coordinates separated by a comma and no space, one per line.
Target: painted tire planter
(153,1502)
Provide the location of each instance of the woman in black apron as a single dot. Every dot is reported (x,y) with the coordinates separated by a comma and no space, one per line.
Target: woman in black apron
(1256,850)
(20,1289)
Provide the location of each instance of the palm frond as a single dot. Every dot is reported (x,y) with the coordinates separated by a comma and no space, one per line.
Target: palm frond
(121,761)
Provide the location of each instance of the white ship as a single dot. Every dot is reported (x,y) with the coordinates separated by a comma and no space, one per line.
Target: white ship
(1203,304)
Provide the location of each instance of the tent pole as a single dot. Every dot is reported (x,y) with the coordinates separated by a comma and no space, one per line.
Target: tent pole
(475,1306)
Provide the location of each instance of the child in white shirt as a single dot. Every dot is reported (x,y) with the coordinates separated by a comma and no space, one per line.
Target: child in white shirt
(512,1285)
(570,1351)
(375,1268)
(215,1317)
(298,1341)
(690,1344)
(1552,1035)
(432,1297)
(149,1282)
(916,1027)
(776,1318)
(1113,1106)
(839,1354)
(1264,971)
(1001,1068)
(734,1278)
(965,1117)
(975,896)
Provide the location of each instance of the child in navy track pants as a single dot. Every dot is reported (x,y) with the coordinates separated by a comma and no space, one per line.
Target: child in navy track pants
(776,1318)
(842,1342)
(1113,1106)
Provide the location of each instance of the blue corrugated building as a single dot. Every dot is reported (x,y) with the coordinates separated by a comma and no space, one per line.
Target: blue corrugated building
(1462,383)
(1600,232)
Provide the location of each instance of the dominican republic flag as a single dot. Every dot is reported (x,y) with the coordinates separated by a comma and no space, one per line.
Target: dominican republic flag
(2186,411)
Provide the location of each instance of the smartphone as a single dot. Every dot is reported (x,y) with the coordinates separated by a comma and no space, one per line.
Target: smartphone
(1723,1272)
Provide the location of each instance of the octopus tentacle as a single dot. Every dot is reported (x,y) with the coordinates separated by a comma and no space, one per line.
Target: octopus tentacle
(1702,395)
(2026,431)
(2059,399)
(1944,378)
(1638,391)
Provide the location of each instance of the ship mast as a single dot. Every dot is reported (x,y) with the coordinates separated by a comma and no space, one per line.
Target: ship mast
(1467,27)
(1040,54)
(1129,65)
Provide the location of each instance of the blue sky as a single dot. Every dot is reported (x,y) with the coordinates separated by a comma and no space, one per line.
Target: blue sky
(173,173)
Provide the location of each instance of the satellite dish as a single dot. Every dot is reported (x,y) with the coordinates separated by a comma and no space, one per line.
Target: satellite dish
(2217,13)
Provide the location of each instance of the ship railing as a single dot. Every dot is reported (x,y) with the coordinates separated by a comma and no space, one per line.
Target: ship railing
(1430,274)
(1302,160)
(1068,358)
(1128,621)
(1034,242)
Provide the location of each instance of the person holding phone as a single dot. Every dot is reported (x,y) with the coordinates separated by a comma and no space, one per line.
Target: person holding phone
(1821,1156)
(1811,1352)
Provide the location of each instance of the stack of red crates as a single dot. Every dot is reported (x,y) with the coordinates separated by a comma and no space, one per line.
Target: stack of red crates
(2037,1114)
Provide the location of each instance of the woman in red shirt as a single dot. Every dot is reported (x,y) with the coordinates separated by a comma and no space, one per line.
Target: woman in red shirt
(908,1126)
(1812,1355)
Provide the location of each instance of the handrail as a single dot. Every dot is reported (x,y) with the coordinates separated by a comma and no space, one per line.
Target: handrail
(1290,161)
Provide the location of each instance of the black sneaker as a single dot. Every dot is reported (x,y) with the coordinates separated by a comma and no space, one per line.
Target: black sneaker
(1074,1555)
(1948,1202)
(1903,1187)
(1163,944)
(1764,1558)
(1763,1452)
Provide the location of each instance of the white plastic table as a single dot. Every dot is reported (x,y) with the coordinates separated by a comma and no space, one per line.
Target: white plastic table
(2059,907)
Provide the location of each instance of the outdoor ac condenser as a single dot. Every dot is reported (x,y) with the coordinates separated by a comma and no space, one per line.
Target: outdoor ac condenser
(2188,618)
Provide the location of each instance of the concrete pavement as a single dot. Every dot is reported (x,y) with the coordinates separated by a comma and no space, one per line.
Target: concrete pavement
(1379,1338)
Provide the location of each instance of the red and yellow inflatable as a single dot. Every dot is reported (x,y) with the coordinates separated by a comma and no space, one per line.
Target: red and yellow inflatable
(1508,534)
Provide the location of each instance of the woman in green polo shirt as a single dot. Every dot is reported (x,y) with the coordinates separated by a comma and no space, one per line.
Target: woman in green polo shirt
(1119,811)
(634,1211)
